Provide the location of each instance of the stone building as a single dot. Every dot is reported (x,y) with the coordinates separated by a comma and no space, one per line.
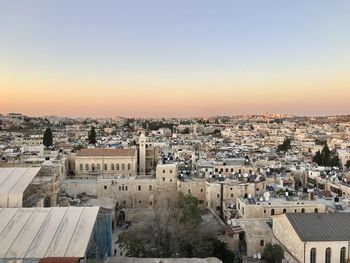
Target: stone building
(313,238)
(252,208)
(107,162)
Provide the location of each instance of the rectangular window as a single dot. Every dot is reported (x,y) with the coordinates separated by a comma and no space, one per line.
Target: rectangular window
(139,187)
(189,191)
(150,187)
(164,179)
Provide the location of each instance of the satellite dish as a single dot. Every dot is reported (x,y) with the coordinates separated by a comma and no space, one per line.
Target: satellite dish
(286,193)
(266,196)
(255,256)
(261,199)
(259,256)
(229,222)
(249,196)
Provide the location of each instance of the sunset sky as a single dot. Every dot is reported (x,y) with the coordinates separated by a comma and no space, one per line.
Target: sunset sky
(177,58)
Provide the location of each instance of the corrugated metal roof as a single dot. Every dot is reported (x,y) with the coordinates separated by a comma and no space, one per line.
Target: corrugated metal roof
(36,233)
(321,226)
(106,152)
(13,182)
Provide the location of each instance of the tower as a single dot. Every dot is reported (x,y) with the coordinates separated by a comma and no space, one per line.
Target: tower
(142,154)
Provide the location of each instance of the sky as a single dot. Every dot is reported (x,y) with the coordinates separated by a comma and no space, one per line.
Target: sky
(183,58)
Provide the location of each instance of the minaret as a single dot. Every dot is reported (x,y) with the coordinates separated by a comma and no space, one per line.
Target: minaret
(142,154)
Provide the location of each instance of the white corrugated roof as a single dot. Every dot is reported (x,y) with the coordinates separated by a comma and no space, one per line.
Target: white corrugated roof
(34,233)
(13,182)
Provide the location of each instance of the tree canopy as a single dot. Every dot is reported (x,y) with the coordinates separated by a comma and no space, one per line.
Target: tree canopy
(326,157)
(47,139)
(92,135)
(273,253)
(285,146)
(175,232)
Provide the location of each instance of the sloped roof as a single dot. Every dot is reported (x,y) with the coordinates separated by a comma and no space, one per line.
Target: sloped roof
(321,226)
(36,233)
(13,182)
(106,152)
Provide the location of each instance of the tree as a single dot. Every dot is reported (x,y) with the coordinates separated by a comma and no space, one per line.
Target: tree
(92,135)
(326,157)
(47,140)
(273,253)
(285,146)
(176,231)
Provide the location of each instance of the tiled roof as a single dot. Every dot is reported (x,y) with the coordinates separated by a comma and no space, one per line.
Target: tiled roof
(106,152)
(321,226)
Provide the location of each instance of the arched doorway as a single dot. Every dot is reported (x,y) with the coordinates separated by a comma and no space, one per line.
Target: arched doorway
(121,218)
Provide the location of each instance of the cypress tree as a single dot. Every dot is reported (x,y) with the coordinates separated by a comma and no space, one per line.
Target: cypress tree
(47,140)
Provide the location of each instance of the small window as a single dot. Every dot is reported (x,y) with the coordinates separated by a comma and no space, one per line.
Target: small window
(124,202)
(272,212)
(171,171)
(313,255)
(139,187)
(163,179)
(139,201)
(123,167)
(202,190)
(303,210)
(231,195)
(86,167)
(150,187)
(342,255)
(316,210)
(284,211)
(218,196)
(81,167)
(117,167)
(129,167)
(328,255)
(163,171)
(105,187)
(201,202)
(262,242)
(126,188)
(189,191)
(112,167)
(150,203)
(105,167)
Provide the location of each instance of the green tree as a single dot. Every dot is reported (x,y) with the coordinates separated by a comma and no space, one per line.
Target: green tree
(273,253)
(47,140)
(186,131)
(326,157)
(92,135)
(285,146)
(176,231)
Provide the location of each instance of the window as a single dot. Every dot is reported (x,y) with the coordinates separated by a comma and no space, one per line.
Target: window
(328,255)
(171,171)
(189,191)
(231,195)
(123,167)
(201,202)
(202,190)
(81,167)
(124,202)
(122,187)
(171,180)
(105,187)
(163,171)
(163,179)
(129,166)
(139,187)
(139,201)
(117,167)
(150,203)
(303,210)
(217,195)
(86,167)
(150,187)
(112,167)
(126,188)
(342,255)
(98,167)
(284,211)
(316,210)
(272,212)
(313,255)
(262,243)
(105,167)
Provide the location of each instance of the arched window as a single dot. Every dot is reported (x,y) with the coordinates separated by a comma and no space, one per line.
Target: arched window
(342,255)
(123,167)
(81,167)
(284,211)
(313,255)
(328,255)
(117,167)
(129,166)
(86,167)
(92,167)
(303,210)
(98,167)
(316,210)
(272,212)
(105,167)
(112,167)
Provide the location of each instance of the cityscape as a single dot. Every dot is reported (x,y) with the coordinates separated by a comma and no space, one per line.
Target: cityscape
(174,131)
